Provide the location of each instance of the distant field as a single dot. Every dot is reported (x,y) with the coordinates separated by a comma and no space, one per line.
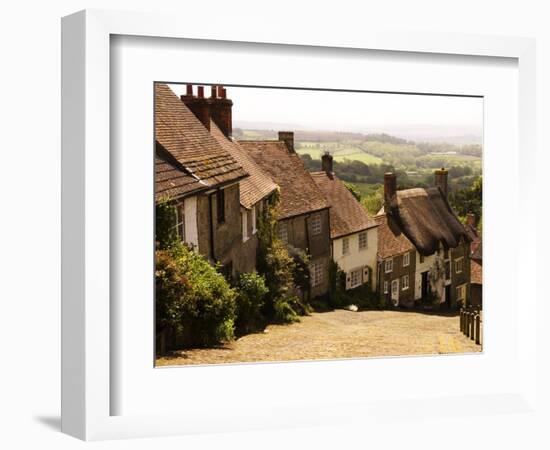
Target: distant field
(339,150)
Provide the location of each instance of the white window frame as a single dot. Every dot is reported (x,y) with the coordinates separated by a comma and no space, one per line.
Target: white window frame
(316,226)
(365,245)
(359,274)
(388,265)
(345,246)
(404,282)
(406,259)
(244,223)
(179,221)
(254,217)
(386,287)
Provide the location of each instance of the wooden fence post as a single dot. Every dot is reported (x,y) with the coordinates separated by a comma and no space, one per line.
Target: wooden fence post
(478,329)
(472,325)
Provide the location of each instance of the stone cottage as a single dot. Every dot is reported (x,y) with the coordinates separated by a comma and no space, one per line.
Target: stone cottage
(254,190)
(195,172)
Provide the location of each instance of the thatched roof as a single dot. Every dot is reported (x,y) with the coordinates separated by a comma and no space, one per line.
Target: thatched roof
(426,218)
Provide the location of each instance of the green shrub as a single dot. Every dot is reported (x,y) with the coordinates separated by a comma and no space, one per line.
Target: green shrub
(251,293)
(193,298)
(337,286)
(165,231)
(284,309)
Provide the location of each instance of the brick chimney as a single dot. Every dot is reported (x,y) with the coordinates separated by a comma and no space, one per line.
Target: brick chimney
(390,189)
(288,138)
(198,105)
(326,163)
(220,108)
(441,176)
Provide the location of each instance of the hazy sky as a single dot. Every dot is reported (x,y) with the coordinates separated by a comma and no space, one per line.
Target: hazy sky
(352,111)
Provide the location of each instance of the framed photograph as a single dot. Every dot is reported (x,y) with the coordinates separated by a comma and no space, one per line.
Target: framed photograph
(261,231)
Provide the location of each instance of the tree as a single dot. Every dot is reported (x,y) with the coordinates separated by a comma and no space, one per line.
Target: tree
(353,189)
(468,200)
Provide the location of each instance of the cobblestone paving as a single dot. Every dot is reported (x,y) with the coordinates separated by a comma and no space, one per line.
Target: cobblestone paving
(340,334)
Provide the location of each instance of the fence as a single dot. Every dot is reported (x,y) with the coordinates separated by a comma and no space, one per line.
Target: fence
(471,323)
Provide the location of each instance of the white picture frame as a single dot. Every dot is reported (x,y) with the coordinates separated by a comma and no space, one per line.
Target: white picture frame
(87,386)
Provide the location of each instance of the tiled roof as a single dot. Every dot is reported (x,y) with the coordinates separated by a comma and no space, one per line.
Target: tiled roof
(255,187)
(476,272)
(299,193)
(171,179)
(426,218)
(184,137)
(391,240)
(347,215)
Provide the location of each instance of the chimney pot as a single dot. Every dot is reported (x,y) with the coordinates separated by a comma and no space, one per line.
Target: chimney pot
(471,219)
(326,163)
(390,189)
(288,138)
(441,180)
(199,106)
(214,89)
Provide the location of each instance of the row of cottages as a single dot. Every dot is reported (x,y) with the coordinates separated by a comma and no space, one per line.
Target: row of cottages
(214,185)
(304,221)
(423,247)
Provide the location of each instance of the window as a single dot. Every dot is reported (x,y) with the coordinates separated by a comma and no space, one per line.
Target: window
(388,265)
(406,259)
(363,240)
(220,204)
(356,278)
(179,223)
(316,224)
(458,264)
(461,293)
(404,282)
(421,258)
(244,221)
(316,273)
(345,246)
(385,287)
(254,220)
(282,229)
